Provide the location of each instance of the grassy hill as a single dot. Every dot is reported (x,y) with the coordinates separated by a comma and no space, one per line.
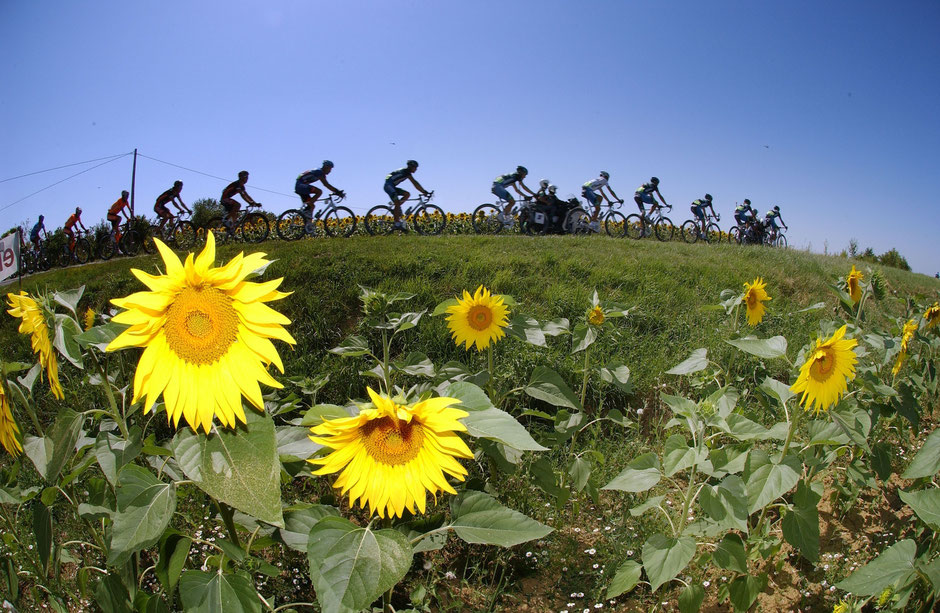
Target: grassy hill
(670,289)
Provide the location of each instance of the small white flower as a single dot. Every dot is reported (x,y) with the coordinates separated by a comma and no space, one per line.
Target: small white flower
(450,575)
(706,583)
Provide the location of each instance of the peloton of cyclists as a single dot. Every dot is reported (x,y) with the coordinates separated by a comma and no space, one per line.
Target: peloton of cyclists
(698,209)
(308,192)
(593,191)
(171,195)
(74,218)
(397,194)
(514,180)
(644,195)
(232,206)
(115,213)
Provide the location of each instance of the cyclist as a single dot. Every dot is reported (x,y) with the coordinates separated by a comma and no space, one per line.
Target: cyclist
(557,208)
(770,220)
(698,209)
(543,187)
(115,212)
(397,194)
(232,206)
(34,233)
(500,184)
(644,195)
(593,191)
(74,218)
(308,192)
(744,214)
(170,196)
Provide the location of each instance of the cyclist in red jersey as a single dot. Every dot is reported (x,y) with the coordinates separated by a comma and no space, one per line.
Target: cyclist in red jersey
(115,213)
(232,206)
(74,218)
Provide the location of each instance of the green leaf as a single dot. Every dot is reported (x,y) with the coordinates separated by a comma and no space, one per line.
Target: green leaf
(173,552)
(580,472)
(680,406)
(895,566)
(743,429)
(69,298)
(100,337)
(498,425)
(780,391)
(239,467)
(145,508)
(743,591)
(547,385)
(664,558)
(730,554)
(202,592)
(42,528)
(113,452)
(404,321)
(926,503)
(880,459)
(582,337)
(651,503)
(626,578)
(50,453)
(691,598)
(801,524)
(726,503)
(855,423)
(526,329)
(351,566)
(111,595)
(694,363)
(927,461)
(299,522)
(556,327)
(617,374)
(294,443)
(677,455)
(66,329)
(767,348)
(479,518)
(640,475)
(319,413)
(417,364)
(771,481)
(352,346)
(441,308)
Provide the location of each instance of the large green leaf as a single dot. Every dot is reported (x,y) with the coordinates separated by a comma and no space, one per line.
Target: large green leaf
(66,329)
(352,346)
(42,529)
(927,461)
(726,503)
(743,591)
(895,565)
(145,508)
(113,452)
(771,481)
(173,552)
(498,425)
(801,524)
(926,503)
(351,566)
(664,558)
(239,467)
(640,475)
(730,554)
(582,337)
(298,523)
(50,453)
(527,329)
(626,578)
(618,374)
(694,363)
(691,598)
(677,455)
(547,385)
(780,391)
(100,337)
(69,298)
(768,348)
(479,518)
(202,592)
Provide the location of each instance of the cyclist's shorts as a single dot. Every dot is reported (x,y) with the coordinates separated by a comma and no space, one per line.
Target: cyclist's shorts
(162,211)
(113,218)
(588,193)
(647,198)
(741,219)
(698,212)
(392,191)
(501,192)
(230,204)
(34,238)
(773,222)
(303,190)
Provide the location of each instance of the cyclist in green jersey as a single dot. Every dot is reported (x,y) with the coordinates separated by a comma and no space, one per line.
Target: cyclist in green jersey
(398,195)
(513,180)
(698,209)
(644,195)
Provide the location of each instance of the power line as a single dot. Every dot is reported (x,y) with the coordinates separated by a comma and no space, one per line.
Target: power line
(64,180)
(206,174)
(29,174)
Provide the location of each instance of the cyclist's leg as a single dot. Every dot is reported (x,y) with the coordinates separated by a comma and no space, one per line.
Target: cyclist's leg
(115,226)
(71,235)
(401,196)
(303,190)
(232,207)
(164,214)
(501,192)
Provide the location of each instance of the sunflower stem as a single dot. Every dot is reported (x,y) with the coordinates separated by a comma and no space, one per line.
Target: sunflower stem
(584,380)
(228,513)
(112,403)
(387,596)
(489,369)
(385,352)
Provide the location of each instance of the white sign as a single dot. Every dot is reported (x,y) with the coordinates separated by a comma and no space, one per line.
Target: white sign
(9,255)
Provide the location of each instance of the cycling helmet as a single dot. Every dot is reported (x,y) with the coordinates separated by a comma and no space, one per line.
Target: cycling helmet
(522,170)
(654,180)
(605,174)
(543,183)
(78,210)
(747,202)
(329,164)
(125,194)
(243,173)
(776,208)
(412,163)
(708,197)
(177,184)
(41,217)
(552,189)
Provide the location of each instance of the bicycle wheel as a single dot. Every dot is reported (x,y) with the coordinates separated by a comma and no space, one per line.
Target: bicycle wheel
(615,224)
(130,242)
(290,225)
(184,235)
(107,247)
(577,222)
(429,220)
(219,230)
(690,231)
(254,228)
(713,233)
(635,226)
(734,235)
(379,220)
(486,219)
(664,229)
(781,241)
(82,250)
(340,221)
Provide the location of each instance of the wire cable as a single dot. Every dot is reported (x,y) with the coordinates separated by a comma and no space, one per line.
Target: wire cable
(29,174)
(206,174)
(3,208)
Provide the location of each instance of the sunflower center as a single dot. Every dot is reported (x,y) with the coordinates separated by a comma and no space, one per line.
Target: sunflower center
(480,318)
(822,365)
(751,299)
(201,325)
(391,441)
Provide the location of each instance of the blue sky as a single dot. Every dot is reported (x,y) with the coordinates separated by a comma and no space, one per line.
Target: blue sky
(829,109)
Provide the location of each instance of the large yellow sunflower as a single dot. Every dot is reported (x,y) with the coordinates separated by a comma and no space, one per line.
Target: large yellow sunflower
(478,319)
(907,333)
(755,294)
(34,323)
(389,457)
(205,334)
(932,315)
(851,282)
(9,432)
(823,377)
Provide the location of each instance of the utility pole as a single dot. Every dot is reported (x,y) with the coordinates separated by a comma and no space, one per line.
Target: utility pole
(133,181)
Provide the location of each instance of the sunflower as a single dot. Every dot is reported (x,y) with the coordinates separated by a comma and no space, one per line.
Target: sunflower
(841,607)
(8,430)
(478,319)
(907,333)
(932,315)
(89,318)
(595,316)
(828,367)
(755,294)
(855,291)
(205,333)
(34,323)
(389,457)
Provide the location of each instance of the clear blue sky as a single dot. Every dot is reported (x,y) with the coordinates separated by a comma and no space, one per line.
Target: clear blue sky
(829,109)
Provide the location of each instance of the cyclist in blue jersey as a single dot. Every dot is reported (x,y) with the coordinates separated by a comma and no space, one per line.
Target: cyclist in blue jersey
(397,194)
(593,191)
(744,214)
(34,233)
(698,209)
(308,192)
(644,195)
(513,180)
(770,220)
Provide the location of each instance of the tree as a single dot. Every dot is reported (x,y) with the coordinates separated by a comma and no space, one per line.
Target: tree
(205,209)
(895,259)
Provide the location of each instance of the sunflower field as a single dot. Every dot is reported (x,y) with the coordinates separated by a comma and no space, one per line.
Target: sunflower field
(470,424)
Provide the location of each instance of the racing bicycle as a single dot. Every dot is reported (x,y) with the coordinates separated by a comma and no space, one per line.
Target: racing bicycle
(428,219)
(331,220)
(692,229)
(639,226)
(177,232)
(250,226)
